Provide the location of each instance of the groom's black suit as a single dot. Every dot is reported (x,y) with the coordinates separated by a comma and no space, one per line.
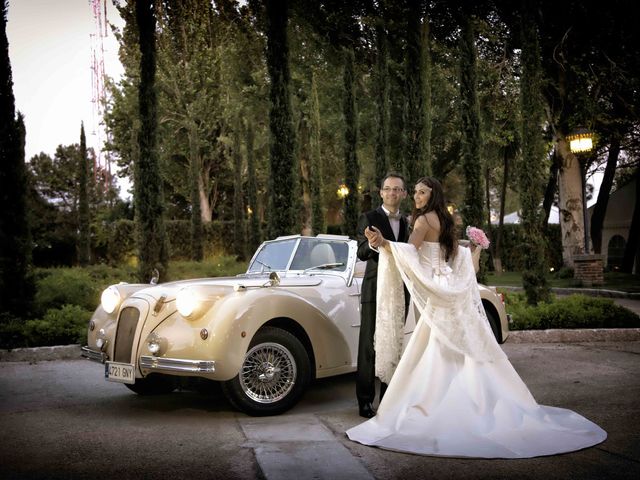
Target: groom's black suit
(365,383)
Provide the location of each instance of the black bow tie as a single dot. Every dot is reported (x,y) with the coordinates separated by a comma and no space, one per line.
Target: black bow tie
(394,216)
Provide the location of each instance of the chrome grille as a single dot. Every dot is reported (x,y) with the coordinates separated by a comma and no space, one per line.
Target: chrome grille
(125,335)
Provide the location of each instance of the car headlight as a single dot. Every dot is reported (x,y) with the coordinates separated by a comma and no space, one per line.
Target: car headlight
(110,299)
(187,302)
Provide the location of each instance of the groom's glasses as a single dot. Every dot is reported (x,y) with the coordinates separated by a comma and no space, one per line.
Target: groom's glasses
(392,189)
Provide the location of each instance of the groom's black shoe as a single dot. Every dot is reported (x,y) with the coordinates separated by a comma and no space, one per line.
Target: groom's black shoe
(366,410)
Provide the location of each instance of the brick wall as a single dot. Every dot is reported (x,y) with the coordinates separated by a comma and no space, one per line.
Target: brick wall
(588,269)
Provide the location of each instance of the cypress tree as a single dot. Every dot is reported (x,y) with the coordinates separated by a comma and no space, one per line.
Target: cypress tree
(238,210)
(382,104)
(84,221)
(415,80)
(316,170)
(282,178)
(149,202)
(16,282)
(352,169)
(197,247)
(252,194)
(425,74)
(532,164)
(472,211)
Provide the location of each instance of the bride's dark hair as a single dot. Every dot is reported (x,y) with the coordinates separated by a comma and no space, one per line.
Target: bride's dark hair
(436,203)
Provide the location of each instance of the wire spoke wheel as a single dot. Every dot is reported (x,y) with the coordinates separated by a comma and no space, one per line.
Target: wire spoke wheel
(273,376)
(268,373)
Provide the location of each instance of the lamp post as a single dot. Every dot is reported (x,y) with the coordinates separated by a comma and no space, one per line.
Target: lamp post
(343,191)
(580,144)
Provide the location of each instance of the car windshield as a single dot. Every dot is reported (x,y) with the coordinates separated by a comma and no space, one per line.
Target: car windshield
(273,256)
(311,254)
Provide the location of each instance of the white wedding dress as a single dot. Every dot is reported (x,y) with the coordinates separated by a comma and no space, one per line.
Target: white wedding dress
(454,392)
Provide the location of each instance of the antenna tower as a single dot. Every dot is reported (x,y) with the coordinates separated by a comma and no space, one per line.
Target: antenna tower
(98,82)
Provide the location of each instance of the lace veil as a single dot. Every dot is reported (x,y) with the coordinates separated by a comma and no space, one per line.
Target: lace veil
(453,310)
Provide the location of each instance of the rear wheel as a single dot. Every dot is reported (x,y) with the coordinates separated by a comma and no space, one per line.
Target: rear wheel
(494,321)
(154,384)
(273,376)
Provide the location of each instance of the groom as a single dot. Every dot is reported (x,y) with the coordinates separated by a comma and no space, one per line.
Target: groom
(393,225)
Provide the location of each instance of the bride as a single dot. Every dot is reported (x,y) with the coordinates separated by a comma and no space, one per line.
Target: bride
(453,392)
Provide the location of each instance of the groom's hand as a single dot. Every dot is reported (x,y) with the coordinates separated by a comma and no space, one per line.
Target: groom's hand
(374,236)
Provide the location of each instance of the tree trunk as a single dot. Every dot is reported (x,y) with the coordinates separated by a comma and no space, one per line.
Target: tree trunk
(239,234)
(252,186)
(571,204)
(497,246)
(197,251)
(552,185)
(305,184)
(600,208)
(206,206)
(633,239)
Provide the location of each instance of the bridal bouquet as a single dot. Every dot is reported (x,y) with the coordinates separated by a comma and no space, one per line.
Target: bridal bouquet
(477,237)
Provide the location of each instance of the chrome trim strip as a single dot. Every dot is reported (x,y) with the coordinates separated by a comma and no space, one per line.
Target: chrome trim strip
(95,355)
(177,364)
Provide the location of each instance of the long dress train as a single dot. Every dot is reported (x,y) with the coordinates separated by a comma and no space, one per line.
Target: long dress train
(453,391)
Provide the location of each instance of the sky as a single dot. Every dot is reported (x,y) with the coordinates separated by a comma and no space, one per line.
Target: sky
(50,49)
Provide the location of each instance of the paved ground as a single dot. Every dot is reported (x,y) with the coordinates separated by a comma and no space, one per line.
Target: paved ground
(60,419)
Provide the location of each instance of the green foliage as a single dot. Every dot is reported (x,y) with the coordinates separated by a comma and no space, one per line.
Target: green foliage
(149,202)
(416,105)
(239,232)
(120,241)
(84,221)
(59,326)
(61,286)
(382,108)
(472,210)
(515,242)
(11,331)
(16,287)
(252,187)
(351,165)
(316,170)
(217,266)
(283,166)
(532,166)
(574,311)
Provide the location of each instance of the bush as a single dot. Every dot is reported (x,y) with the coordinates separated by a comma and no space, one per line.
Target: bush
(575,311)
(11,331)
(60,286)
(59,326)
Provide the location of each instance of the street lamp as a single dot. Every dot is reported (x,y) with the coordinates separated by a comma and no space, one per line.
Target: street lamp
(581,142)
(343,191)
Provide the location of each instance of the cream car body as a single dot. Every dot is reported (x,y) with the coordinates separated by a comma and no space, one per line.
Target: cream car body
(294,316)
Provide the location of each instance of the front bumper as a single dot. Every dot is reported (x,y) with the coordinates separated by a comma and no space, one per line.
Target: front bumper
(171,365)
(94,355)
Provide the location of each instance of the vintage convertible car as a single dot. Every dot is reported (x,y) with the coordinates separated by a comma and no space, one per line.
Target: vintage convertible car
(291,318)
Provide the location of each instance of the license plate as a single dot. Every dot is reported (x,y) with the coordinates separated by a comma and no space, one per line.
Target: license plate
(119,372)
